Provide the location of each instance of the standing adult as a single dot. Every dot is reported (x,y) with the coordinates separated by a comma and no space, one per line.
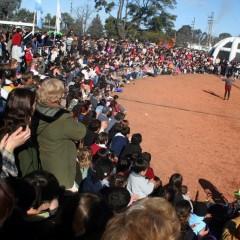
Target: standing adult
(57,132)
(228,86)
(17,51)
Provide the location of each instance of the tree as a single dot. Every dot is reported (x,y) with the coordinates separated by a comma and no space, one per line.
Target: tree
(224,35)
(67,22)
(23,15)
(8,8)
(96,29)
(162,22)
(49,20)
(110,28)
(82,17)
(184,35)
(135,12)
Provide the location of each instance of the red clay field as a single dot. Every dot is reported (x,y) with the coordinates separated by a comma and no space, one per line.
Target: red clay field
(188,128)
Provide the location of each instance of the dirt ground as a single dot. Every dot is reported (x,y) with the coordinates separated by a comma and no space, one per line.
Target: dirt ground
(189,129)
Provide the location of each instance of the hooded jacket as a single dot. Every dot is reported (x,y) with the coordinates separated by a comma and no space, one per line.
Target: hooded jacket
(56,133)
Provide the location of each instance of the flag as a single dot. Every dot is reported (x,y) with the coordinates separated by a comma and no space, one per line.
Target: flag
(39,12)
(58,17)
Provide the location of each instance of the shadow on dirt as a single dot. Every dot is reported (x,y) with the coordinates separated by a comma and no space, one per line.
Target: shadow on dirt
(212,93)
(212,192)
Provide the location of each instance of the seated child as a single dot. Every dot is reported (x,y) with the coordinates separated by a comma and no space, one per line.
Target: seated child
(137,183)
(147,157)
(186,196)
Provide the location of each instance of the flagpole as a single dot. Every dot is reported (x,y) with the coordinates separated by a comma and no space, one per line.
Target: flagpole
(34,18)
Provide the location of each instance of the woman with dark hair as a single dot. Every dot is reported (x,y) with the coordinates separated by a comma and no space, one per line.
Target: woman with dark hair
(18,114)
(19,109)
(175,182)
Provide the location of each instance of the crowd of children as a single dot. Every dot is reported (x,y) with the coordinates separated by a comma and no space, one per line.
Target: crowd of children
(80,173)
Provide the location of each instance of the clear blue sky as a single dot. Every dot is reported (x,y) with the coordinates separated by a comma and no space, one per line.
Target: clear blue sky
(226,13)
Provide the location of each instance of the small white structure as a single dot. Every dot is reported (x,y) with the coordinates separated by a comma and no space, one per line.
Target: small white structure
(228,49)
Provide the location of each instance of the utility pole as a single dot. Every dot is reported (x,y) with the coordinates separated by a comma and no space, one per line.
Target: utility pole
(193,26)
(71,7)
(210,28)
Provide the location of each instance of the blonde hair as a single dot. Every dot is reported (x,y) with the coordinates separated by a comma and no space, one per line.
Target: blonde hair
(12,61)
(51,90)
(149,218)
(84,157)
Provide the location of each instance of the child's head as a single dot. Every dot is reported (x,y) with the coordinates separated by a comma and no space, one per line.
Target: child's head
(147,156)
(103,153)
(102,138)
(123,165)
(168,194)
(27,77)
(84,157)
(184,189)
(125,131)
(102,169)
(117,180)
(136,138)
(29,46)
(140,166)
(176,181)
(118,199)
(95,125)
(183,209)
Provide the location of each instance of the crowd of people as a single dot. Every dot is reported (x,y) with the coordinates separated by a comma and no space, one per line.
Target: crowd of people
(70,166)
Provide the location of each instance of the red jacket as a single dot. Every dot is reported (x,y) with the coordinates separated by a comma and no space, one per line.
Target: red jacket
(28,56)
(16,39)
(150,173)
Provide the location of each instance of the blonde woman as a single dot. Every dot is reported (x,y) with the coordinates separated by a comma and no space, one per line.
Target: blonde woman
(57,133)
(149,218)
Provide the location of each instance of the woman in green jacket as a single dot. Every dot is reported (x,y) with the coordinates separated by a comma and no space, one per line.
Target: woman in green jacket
(57,133)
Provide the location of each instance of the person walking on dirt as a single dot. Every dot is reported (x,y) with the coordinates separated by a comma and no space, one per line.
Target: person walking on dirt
(228,86)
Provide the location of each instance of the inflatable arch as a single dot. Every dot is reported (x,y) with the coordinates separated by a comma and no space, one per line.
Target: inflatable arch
(228,49)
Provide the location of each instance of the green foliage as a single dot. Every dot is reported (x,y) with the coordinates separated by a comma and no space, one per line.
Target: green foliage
(224,35)
(184,35)
(150,14)
(154,37)
(96,29)
(8,8)
(23,15)
(110,28)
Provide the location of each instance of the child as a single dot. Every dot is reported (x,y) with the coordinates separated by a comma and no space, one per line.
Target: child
(27,80)
(98,178)
(84,162)
(28,56)
(147,157)
(137,183)
(185,195)
(188,219)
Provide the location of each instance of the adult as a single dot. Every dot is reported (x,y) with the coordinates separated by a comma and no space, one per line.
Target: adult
(150,218)
(17,119)
(56,131)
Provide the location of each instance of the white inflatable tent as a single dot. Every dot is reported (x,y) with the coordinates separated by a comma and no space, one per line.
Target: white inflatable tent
(228,49)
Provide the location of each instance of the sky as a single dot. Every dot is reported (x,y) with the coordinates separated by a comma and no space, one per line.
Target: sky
(225,20)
